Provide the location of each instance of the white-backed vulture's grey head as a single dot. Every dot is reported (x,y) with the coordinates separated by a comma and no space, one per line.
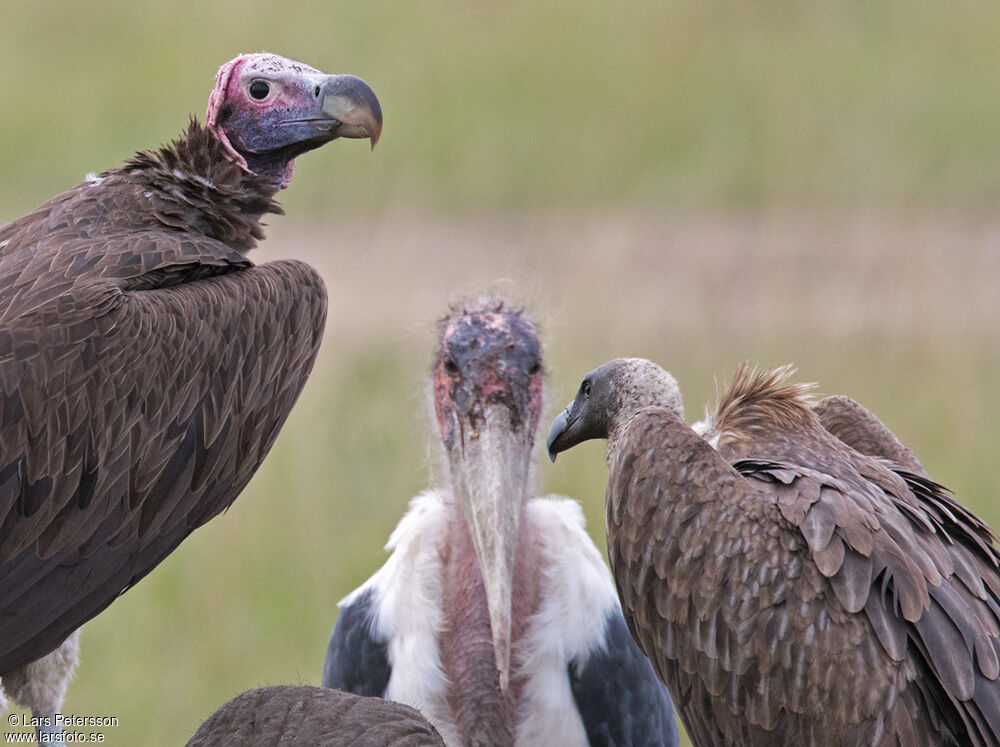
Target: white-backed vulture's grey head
(608,398)
(487,388)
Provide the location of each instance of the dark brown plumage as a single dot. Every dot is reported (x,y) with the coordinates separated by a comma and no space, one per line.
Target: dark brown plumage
(302,715)
(796,584)
(146,365)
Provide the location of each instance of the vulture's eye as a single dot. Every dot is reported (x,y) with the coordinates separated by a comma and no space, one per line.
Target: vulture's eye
(535,368)
(450,366)
(585,388)
(259,89)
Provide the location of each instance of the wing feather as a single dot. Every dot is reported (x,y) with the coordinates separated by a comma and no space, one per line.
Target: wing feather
(619,699)
(860,428)
(144,377)
(357,661)
(840,563)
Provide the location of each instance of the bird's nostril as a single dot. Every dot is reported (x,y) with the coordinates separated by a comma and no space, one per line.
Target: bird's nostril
(316,92)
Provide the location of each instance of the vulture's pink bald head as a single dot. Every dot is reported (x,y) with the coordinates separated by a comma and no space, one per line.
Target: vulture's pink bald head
(267,109)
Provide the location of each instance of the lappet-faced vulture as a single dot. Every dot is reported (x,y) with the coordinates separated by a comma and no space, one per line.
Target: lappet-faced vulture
(146,365)
(792,572)
(287,715)
(495,615)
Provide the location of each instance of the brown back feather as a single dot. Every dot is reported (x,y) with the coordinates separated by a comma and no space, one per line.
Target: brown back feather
(827,597)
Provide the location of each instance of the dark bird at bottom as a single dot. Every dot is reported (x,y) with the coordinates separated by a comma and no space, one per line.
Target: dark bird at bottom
(790,569)
(146,364)
(287,715)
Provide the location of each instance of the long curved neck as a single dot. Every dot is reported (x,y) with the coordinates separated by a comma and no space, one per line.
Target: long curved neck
(482,713)
(619,425)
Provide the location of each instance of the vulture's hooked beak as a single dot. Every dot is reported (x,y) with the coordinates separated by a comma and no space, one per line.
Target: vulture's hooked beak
(352,104)
(560,425)
(572,426)
(490,470)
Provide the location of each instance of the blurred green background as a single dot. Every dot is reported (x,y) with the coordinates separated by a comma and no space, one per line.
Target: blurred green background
(689,181)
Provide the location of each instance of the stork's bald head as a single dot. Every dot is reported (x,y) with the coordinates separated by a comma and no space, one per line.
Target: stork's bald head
(488,354)
(267,110)
(609,397)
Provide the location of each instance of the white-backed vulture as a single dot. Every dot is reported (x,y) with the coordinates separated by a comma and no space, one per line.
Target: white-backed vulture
(792,572)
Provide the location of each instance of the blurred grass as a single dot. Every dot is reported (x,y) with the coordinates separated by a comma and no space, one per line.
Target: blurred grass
(542,104)
(690,181)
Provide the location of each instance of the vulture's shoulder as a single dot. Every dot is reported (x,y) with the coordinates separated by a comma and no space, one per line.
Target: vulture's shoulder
(858,427)
(144,375)
(99,205)
(290,714)
(660,456)
(87,246)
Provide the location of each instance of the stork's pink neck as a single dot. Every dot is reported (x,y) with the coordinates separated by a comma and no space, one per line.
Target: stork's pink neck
(482,712)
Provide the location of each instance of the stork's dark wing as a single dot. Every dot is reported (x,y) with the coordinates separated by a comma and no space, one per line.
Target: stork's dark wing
(303,715)
(878,577)
(860,428)
(356,660)
(143,378)
(618,696)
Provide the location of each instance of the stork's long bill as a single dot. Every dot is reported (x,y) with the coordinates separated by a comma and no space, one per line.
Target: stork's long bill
(487,397)
(490,473)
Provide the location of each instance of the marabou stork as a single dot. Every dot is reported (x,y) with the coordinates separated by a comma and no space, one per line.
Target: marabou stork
(495,615)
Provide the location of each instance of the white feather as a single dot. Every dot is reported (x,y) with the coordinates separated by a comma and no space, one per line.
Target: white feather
(408,611)
(576,595)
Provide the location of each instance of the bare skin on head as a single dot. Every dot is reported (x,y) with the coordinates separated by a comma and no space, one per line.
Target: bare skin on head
(267,110)
(794,574)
